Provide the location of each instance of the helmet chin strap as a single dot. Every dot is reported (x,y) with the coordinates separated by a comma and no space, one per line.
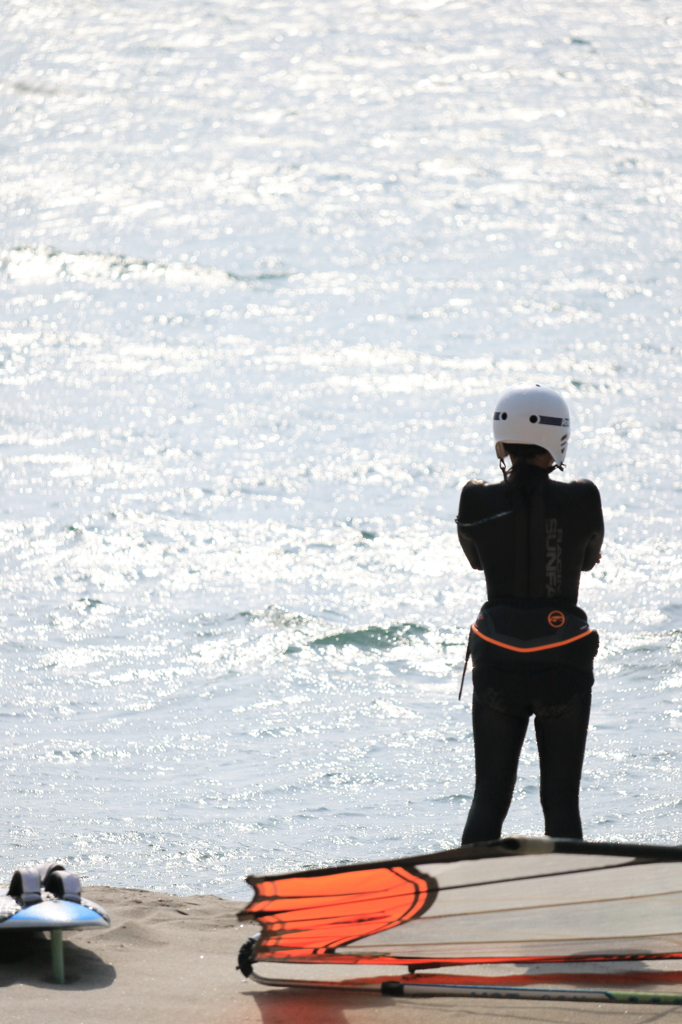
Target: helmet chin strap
(503,454)
(548,470)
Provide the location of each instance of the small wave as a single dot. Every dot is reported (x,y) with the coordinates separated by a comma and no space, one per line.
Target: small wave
(373,637)
(33,264)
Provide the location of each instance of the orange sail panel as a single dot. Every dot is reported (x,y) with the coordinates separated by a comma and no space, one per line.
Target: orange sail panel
(309,916)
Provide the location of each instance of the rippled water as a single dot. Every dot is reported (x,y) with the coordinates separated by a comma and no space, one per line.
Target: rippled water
(265,269)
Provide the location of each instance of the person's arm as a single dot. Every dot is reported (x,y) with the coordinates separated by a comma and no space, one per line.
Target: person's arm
(467,514)
(596,520)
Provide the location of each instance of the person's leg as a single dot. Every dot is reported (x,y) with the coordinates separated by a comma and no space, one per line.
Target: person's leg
(561,746)
(498,739)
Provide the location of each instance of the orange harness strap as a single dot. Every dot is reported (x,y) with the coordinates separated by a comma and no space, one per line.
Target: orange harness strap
(530,650)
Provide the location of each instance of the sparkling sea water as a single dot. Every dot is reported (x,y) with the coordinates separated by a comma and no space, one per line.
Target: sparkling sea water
(265,268)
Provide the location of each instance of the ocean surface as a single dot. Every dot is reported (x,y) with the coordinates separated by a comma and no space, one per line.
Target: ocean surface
(265,268)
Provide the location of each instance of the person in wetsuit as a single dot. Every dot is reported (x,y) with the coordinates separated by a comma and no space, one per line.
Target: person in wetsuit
(532,537)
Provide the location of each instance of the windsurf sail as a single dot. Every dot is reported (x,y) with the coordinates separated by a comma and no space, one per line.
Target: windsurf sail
(517,900)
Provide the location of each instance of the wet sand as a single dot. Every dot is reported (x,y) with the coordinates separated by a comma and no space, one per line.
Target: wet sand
(171,960)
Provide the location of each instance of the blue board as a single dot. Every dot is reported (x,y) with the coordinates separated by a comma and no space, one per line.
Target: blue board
(51,913)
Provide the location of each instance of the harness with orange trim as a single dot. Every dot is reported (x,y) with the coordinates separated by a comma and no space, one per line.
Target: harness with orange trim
(539,633)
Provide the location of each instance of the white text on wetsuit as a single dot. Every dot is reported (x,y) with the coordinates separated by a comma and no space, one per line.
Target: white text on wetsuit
(553,546)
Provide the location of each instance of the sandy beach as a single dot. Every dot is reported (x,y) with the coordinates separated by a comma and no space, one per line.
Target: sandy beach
(171,959)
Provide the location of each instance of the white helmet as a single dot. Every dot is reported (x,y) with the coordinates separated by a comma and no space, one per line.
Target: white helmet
(533,414)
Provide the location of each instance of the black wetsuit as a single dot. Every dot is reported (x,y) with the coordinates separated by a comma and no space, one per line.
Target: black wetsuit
(532,538)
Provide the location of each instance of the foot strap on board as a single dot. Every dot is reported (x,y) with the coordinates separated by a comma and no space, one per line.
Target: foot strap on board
(62,884)
(25,886)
